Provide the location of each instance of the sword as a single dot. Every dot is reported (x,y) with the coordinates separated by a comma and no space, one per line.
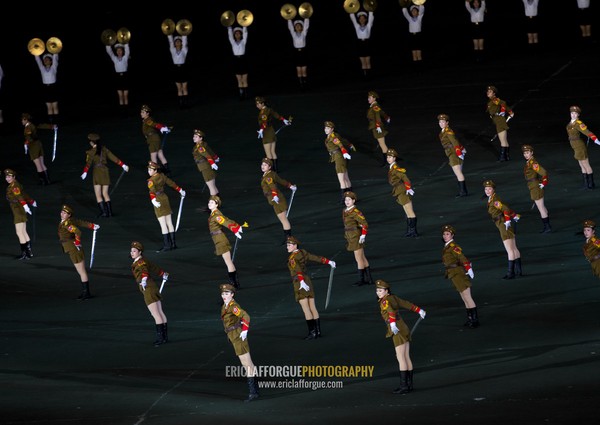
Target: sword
(162,285)
(179,212)
(290,204)
(33,223)
(283,126)
(415,325)
(496,135)
(164,140)
(236,243)
(117,183)
(55,139)
(93,249)
(329,288)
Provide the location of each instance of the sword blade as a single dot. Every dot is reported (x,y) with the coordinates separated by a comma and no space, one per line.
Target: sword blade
(290,204)
(55,140)
(179,213)
(93,249)
(329,286)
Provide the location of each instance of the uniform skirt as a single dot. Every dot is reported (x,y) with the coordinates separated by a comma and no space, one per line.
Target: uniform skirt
(151,293)
(403,198)
(281,206)
(340,162)
(121,80)
(101,176)
(76,255)
(504,233)
(536,193)
(222,244)
(364,48)
(300,294)
(300,57)
(478,30)
(500,123)
(579,149)
(377,135)
(416,41)
(240,65)
(454,160)
(352,238)
(269,135)
(153,143)
(180,73)
(36,149)
(459,279)
(240,347)
(165,206)
(403,336)
(19,214)
(583,16)
(596,268)
(50,93)
(208,173)
(531,24)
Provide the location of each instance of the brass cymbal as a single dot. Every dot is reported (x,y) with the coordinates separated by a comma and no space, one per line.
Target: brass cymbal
(351,6)
(108,37)
(245,18)
(183,27)
(36,46)
(305,10)
(227,18)
(288,11)
(418,2)
(167,27)
(54,45)
(123,35)
(370,5)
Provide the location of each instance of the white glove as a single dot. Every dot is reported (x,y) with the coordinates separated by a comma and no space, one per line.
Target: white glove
(362,239)
(347,156)
(238,234)
(260,133)
(462,156)
(293,187)
(394,328)
(216,158)
(214,166)
(126,167)
(410,192)
(304,286)
(143,283)
(471,274)
(165,130)
(379,130)
(276,199)
(422,313)
(542,185)
(388,120)
(507,224)
(286,122)
(332,264)
(26,149)
(83,176)
(182,193)
(156,203)
(244,335)
(165,276)
(96,226)
(27,209)
(516,218)
(597,141)
(34,204)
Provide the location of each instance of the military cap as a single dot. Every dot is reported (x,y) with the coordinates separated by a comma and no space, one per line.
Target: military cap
(329,124)
(374,94)
(526,148)
(216,199)
(292,240)
(226,287)
(392,152)
(67,209)
(492,88)
(198,133)
(575,108)
(268,161)
(93,137)
(137,245)
(26,116)
(153,165)
(382,284)
(350,195)
(9,172)
(489,183)
(260,99)
(146,108)
(589,223)
(448,228)
(443,117)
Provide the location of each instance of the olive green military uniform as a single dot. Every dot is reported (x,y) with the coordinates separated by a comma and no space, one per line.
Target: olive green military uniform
(235,320)
(574,130)
(500,213)
(355,225)
(534,175)
(499,112)
(216,219)
(69,232)
(204,158)
(455,264)
(451,146)
(376,117)
(34,145)
(156,187)
(591,250)
(265,122)
(151,131)
(400,183)
(98,164)
(336,149)
(297,264)
(17,198)
(143,268)
(269,184)
(389,306)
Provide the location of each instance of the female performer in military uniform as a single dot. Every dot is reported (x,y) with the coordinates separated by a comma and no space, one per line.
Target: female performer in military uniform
(302,284)
(389,305)
(575,129)
(178,46)
(339,155)
(537,180)
(266,132)
(236,322)
(457,268)
(152,130)
(403,192)
(269,184)
(69,235)
(363,24)
(19,202)
(162,207)
(498,110)
(97,157)
(142,271)
(355,232)
(591,248)
(33,145)
(206,161)
(376,117)
(454,151)
(503,218)
(216,220)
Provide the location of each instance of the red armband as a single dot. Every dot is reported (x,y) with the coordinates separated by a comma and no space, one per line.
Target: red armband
(407,186)
(152,196)
(415,309)
(392,317)
(300,276)
(85,169)
(245,325)
(120,163)
(458,150)
(343,149)
(467,266)
(545,180)
(159,126)
(234,227)
(210,161)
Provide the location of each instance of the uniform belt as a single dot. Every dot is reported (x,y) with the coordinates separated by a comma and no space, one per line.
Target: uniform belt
(452,266)
(350,228)
(216,232)
(159,193)
(595,257)
(234,327)
(121,74)
(334,151)
(99,165)
(65,241)
(200,160)
(532,180)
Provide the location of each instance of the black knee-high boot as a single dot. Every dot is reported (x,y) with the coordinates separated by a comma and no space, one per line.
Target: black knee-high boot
(361,278)
(85,291)
(546,223)
(462,189)
(368,277)
(159,336)
(28,250)
(474,318)
(23,255)
(102,209)
(252,389)
(109,212)
(510,274)
(518,269)
(166,243)
(318,328)
(403,388)
(233,279)
(312,333)
(590,181)
(172,237)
